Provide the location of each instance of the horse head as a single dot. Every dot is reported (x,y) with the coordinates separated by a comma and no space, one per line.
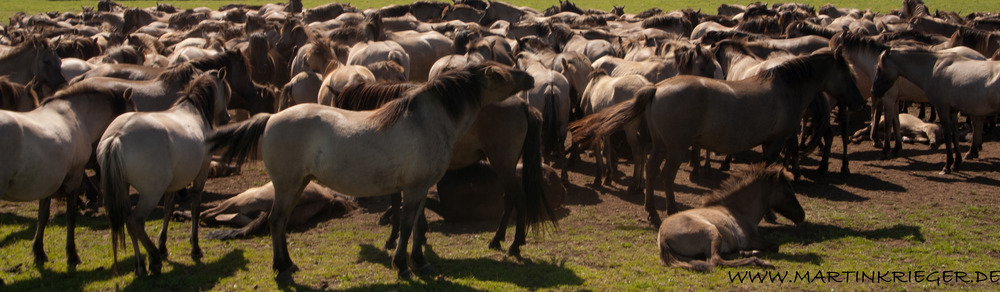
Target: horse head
(885,75)
(783,200)
(500,82)
(49,66)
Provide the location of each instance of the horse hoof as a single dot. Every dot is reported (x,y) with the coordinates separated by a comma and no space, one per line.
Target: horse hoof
(945,171)
(655,222)
(495,245)
(196,254)
(284,277)
(73,260)
(426,270)
(845,170)
(389,245)
(155,269)
(514,252)
(405,274)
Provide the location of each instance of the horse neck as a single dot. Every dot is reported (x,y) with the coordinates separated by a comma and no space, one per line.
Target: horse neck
(749,207)
(19,61)
(863,62)
(916,67)
(450,129)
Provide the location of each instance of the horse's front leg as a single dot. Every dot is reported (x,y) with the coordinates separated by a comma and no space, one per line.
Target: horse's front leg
(37,245)
(638,157)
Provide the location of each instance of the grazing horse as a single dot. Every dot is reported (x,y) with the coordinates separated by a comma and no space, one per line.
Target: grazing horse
(952,83)
(727,221)
(160,153)
(723,116)
(409,140)
(45,150)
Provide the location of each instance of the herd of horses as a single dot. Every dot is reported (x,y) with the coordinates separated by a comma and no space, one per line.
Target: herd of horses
(386,101)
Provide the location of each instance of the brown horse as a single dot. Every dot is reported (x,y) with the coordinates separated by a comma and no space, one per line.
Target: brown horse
(723,116)
(727,221)
(475,193)
(34,59)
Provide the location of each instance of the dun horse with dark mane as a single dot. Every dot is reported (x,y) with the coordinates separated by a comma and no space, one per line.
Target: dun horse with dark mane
(404,146)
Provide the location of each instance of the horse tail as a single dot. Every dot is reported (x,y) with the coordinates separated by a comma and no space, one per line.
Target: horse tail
(116,200)
(595,128)
(241,138)
(257,226)
(538,208)
(668,259)
(551,123)
(285,97)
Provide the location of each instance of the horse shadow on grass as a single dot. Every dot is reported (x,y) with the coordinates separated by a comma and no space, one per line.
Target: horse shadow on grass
(28,225)
(809,233)
(526,274)
(180,278)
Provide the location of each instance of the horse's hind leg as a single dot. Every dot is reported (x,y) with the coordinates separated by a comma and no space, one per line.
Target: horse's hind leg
(285,195)
(196,253)
(37,245)
(391,216)
(413,204)
(977,137)
(72,257)
(501,233)
(136,228)
(845,116)
(168,211)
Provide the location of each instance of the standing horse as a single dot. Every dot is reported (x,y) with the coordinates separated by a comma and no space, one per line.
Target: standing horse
(35,59)
(45,150)
(160,153)
(952,83)
(727,221)
(409,140)
(723,116)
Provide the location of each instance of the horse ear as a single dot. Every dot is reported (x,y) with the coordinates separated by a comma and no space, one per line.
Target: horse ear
(222,73)
(785,175)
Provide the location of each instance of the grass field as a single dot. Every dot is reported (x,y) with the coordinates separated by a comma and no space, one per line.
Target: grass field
(888,216)
(9,7)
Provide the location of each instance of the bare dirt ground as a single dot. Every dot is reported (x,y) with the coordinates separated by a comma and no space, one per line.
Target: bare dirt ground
(909,180)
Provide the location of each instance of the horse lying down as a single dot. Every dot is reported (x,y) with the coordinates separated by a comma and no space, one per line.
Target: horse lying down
(248,210)
(475,193)
(726,223)
(914,130)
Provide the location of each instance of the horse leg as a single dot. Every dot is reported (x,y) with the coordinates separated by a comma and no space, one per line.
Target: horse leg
(638,157)
(845,116)
(392,216)
(501,233)
(947,123)
(72,197)
(953,115)
(611,164)
(196,253)
(877,109)
(37,245)
(413,204)
(514,196)
(724,166)
(599,155)
(715,259)
(136,228)
(285,197)
(696,169)
(168,211)
(656,157)
(977,137)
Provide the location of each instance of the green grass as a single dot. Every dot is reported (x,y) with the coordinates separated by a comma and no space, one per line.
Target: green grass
(611,254)
(9,7)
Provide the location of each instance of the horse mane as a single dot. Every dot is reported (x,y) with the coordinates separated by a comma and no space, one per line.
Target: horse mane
(809,28)
(858,42)
(12,91)
(456,89)
(736,183)
(179,73)
(370,96)
(973,38)
(76,90)
(914,8)
(562,32)
(199,92)
(31,43)
(714,36)
(908,35)
(765,25)
(730,47)
(795,71)
(649,13)
(212,62)
(590,21)
(666,20)
(597,73)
